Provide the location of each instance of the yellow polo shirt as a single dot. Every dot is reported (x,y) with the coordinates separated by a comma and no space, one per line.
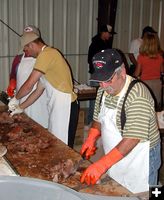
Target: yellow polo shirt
(56,70)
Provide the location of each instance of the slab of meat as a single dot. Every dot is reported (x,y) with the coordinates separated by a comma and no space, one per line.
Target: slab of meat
(35,152)
(5,118)
(61,171)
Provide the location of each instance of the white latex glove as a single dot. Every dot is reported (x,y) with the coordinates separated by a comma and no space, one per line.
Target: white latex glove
(17,110)
(13,103)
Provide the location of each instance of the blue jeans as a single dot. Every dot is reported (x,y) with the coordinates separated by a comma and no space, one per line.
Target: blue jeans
(154,164)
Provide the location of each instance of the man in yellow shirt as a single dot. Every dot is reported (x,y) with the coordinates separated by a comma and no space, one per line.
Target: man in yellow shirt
(54,75)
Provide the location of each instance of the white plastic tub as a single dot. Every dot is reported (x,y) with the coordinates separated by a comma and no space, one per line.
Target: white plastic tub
(21,188)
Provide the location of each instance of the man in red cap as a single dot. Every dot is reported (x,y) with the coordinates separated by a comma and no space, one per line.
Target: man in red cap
(53,75)
(22,66)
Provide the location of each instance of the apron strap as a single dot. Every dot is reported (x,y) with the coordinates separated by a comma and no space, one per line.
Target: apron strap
(123,115)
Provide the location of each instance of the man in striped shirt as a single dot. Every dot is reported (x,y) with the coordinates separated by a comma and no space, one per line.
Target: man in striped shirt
(132,144)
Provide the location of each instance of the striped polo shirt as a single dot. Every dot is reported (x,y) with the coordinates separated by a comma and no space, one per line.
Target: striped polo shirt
(141,120)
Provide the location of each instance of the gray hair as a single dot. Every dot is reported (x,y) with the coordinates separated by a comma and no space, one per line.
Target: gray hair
(119,69)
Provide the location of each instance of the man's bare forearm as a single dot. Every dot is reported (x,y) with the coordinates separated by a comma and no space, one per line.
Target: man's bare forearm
(24,90)
(29,84)
(132,59)
(33,96)
(126,145)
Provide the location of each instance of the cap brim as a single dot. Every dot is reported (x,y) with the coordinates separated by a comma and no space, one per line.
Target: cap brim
(101,77)
(27,38)
(26,41)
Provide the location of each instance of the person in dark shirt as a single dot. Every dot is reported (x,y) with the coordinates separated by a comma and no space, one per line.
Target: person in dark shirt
(102,40)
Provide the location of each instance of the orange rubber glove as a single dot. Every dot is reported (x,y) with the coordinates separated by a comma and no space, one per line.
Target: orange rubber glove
(11,88)
(88,148)
(93,173)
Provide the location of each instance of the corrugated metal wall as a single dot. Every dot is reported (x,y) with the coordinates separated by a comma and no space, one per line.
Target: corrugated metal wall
(70,24)
(65,24)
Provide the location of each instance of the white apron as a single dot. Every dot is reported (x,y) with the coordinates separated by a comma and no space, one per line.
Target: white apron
(133,170)
(59,106)
(38,110)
